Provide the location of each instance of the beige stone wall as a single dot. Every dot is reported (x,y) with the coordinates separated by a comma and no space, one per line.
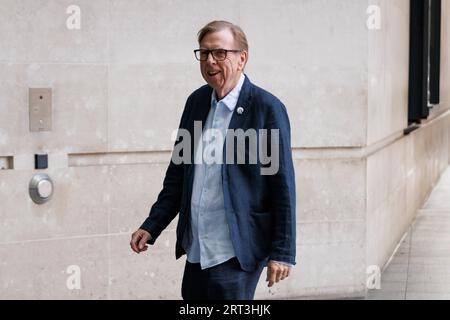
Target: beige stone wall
(403,170)
(119,87)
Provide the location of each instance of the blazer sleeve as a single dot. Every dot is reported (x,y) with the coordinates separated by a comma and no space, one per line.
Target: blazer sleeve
(168,203)
(282,187)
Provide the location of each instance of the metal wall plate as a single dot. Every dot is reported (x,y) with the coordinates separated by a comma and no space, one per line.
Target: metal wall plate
(40,109)
(41,188)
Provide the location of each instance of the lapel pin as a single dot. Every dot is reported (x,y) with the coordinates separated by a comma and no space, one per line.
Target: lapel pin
(240,110)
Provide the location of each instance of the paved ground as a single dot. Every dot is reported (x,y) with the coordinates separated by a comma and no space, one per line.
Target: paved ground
(421,267)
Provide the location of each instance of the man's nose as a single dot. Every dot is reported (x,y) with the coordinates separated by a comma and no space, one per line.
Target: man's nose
(210,59)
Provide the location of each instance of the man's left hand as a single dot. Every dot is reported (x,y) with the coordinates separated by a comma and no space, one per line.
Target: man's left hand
(277,272)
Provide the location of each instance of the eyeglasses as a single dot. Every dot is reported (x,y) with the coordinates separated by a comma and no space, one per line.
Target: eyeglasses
(217,54)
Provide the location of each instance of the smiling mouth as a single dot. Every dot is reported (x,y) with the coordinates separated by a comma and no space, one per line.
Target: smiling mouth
(213,73)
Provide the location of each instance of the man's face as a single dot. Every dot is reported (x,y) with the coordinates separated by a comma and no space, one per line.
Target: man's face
(222,75)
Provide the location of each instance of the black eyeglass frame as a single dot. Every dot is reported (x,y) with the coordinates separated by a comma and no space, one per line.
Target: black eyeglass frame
(212,52)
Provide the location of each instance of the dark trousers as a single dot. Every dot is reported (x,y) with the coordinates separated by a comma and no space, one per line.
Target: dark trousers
(226,281)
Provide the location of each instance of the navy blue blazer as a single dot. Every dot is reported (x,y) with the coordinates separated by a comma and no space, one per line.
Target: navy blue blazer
(260,209)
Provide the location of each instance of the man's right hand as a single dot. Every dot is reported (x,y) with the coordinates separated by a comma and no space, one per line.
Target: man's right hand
(139,240)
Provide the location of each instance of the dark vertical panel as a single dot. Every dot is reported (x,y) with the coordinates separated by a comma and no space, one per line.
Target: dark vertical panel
(424,112)
(418,66)
(435,51)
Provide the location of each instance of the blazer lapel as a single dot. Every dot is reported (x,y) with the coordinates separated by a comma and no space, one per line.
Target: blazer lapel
(239,117)
(243,106)
(200,115)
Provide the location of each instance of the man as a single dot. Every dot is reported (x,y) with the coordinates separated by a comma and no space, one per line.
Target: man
(234,220)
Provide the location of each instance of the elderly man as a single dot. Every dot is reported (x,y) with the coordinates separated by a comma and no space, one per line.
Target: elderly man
(234,220)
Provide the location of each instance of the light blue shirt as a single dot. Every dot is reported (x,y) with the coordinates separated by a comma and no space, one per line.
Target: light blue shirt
(211,240)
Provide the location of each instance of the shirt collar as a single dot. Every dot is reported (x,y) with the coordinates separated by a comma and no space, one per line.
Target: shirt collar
(231,99)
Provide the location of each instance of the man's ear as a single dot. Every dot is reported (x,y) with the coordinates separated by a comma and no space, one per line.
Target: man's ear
(243,60)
